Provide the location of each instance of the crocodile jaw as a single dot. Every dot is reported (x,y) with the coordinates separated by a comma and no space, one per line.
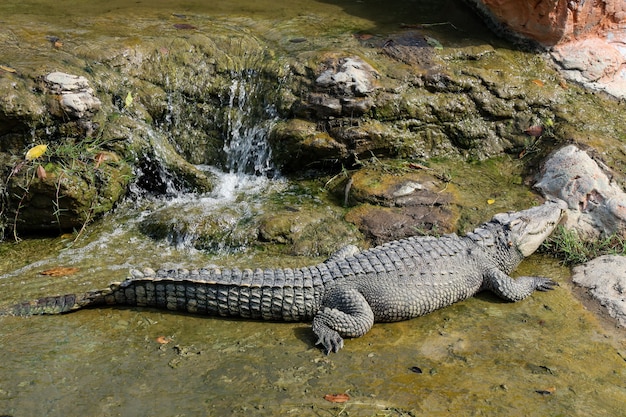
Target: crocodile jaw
(530,228)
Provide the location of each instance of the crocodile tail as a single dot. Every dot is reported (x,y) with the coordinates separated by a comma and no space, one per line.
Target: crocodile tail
(57,304)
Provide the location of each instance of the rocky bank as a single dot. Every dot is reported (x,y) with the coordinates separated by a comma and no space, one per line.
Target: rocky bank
(585,38)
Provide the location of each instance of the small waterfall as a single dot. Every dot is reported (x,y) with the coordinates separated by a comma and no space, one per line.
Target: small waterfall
(249,119)
(222,221)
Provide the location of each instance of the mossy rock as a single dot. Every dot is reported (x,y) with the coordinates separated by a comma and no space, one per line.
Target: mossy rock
(189,225)
(53,198)
(308,231)
(397,205)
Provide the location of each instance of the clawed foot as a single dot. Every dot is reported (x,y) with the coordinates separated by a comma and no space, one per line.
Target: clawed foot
(331,341)
(327,337)
(545,284)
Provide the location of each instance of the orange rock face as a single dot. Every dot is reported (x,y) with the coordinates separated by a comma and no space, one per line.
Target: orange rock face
(553,21)
(541,20)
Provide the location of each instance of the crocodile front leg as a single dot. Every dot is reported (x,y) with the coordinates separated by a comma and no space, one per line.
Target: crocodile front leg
(344,313)
(515,289)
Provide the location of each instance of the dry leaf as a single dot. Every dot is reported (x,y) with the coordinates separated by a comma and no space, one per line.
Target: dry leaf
(337,398)
(563,84)
(535,131)
(35,152)
(100,158)
(413,165)
(163,340)
(41,173)
(538,82)
(17,168)
(59,271)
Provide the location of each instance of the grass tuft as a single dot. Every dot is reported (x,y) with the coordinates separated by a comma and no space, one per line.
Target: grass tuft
(571,249)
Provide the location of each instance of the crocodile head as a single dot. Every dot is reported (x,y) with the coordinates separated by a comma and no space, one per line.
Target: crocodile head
(527,229)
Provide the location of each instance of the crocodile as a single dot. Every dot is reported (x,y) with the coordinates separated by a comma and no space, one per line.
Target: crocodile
(345,295)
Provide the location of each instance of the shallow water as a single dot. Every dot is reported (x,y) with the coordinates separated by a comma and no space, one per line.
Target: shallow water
(545,356)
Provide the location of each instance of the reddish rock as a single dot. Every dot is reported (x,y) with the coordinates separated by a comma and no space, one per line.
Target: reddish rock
(550,22)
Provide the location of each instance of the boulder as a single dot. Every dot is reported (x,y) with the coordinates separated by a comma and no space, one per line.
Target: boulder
(605,280)
(343,86)
(391,206)
(596,204)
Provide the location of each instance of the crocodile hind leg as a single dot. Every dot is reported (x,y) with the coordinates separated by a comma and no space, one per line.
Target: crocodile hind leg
(515,289)
(344,313)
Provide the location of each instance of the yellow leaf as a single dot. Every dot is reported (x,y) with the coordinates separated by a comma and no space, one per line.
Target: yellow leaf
(433,43)
(36,151)
(491,201)
(7,69)
(129,99)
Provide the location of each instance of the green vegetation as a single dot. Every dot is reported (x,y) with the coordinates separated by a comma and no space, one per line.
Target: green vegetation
(572,249)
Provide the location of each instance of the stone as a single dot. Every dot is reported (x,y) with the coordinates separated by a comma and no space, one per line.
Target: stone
(605,280)
(349,77)
(392,206)
(72,96)
(596,62)
(596,204)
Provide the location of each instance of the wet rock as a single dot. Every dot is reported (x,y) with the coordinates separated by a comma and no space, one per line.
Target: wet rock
(596,204)
(299,144)
(20,107)
(342,87)
(64,199)
(302,231)
(307,232)
(398,206)
(72,96)
(413,49)
(190,226)
(350,76)
(605,280)
(384,224)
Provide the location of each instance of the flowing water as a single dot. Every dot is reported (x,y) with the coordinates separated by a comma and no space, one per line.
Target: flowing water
(545,356)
